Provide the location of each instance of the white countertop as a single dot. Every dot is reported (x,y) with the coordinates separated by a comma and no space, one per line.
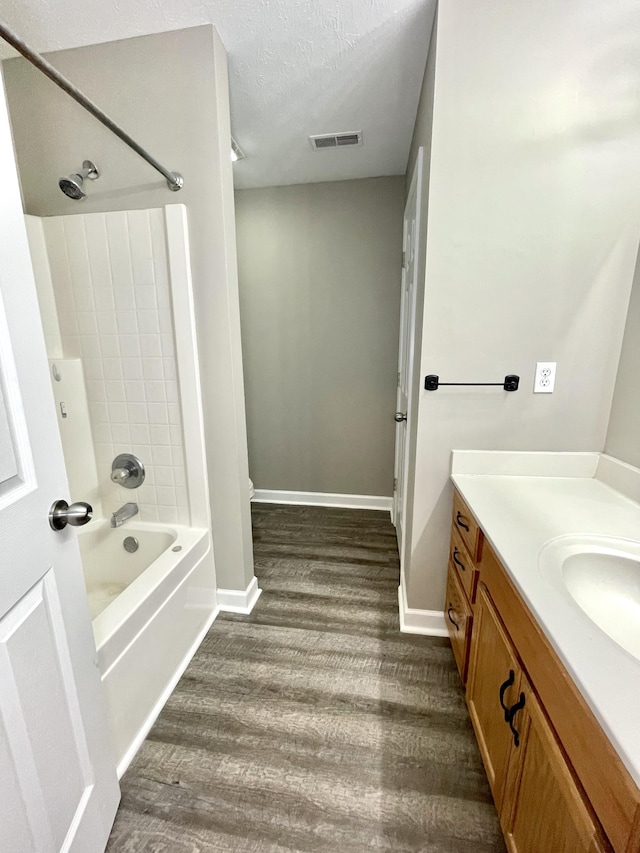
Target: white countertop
(538,497)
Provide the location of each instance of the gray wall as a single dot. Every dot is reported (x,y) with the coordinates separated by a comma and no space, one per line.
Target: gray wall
(424,117)
(531,244)
(320,268)
(170,92)
(623,436)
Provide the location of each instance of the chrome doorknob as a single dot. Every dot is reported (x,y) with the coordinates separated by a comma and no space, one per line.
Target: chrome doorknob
(399,417)
(62,514)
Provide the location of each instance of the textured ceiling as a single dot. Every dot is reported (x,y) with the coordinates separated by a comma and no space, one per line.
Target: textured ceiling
(297,67)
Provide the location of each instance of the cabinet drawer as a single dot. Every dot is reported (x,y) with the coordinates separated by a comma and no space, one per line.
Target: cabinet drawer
(465,524)
(464,565)
(459,620)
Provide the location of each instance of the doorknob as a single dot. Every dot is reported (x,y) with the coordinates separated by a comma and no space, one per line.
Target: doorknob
(62,514)
(399,417)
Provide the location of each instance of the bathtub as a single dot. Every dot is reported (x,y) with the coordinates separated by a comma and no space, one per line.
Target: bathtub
(150,610)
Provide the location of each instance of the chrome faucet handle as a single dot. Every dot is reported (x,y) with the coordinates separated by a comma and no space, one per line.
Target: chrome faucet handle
(128,471)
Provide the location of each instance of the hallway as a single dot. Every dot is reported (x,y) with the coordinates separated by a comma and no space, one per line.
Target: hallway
(313,724)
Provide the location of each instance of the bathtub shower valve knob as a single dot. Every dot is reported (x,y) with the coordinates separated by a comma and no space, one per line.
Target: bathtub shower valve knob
(62,514)
(128,471)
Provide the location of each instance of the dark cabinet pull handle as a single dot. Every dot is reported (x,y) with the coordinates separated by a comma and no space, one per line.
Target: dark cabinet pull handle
(457,561)
(461,523)
(451,619)
(512,712)
(503,689)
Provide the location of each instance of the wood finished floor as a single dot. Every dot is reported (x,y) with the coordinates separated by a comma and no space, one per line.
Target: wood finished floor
(313,724)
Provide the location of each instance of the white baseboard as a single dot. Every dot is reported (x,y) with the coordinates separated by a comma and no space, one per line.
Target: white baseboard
(171,685)
(428,622)
(273,496)
(239,600)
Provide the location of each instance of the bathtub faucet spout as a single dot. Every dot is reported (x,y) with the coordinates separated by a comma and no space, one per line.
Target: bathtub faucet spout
(119,517)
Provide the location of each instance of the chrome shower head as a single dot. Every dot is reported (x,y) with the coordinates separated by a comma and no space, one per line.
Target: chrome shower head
(71,186)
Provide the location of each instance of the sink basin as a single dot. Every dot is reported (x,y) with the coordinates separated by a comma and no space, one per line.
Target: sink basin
(602,576)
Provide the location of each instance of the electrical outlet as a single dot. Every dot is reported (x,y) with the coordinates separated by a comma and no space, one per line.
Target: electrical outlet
(545,377)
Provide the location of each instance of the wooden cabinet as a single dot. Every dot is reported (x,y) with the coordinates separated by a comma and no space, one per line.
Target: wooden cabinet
(544,807)
(557,782)
(466,544)
(541,805)
(463,565)
(609,788)
(459,622)
(467,527)
(493,688)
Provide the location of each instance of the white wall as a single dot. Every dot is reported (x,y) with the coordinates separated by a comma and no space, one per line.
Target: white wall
(422,138)
(44,286)
(533,232)
(623,435)
(170,92)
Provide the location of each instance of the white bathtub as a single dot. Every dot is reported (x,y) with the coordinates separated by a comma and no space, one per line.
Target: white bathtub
(150,611)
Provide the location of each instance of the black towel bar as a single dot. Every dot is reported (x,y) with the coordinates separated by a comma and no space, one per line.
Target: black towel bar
(511,382)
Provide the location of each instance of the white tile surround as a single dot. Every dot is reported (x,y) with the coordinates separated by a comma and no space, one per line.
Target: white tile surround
(111,284)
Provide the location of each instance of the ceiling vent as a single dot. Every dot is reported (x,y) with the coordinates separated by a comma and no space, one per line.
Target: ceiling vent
(323,141)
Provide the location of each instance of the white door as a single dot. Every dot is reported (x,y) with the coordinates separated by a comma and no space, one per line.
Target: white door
(58,784)
(407,347)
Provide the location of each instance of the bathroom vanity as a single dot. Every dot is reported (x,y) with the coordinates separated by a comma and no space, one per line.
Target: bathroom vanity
(543,611)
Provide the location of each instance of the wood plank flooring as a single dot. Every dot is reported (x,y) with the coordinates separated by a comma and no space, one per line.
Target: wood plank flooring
(313,724)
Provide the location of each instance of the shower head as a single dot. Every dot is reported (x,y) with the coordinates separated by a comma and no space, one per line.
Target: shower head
(71,186)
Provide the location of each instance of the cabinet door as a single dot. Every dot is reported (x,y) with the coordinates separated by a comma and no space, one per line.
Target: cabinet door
(459,622)
(493,686)
(544,808)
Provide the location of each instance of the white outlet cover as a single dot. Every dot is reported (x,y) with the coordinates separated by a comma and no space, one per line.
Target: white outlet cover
(545,378)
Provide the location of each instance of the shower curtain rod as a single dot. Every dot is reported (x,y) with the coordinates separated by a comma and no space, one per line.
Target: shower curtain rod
(174,179)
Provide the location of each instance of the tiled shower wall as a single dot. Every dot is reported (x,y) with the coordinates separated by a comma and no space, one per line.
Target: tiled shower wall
(111,284)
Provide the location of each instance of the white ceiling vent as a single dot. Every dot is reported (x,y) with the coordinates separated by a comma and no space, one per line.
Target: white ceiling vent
(336,140)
